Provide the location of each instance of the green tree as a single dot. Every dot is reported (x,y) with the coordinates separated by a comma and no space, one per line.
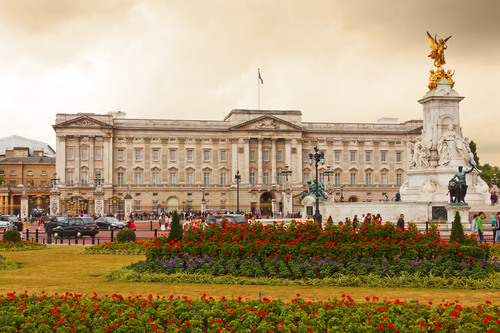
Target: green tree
(175,227)
(473,149)
(457,230)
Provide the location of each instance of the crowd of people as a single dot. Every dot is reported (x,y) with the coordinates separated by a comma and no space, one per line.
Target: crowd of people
(369,217)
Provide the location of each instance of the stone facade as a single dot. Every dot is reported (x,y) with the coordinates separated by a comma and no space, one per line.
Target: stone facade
(172,164)
(25,166)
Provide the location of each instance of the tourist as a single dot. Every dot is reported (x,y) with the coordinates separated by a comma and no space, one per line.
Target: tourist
(132,225)
(473,225)
(497,227)
(330,220)
(493,222)
(401,222)
(397,197)
(378,219)
(386,198)
(480,219)
(355,222)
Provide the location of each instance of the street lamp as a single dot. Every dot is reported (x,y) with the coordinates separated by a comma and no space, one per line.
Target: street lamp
(237,179)
(203,202)
(274,200)
(54,180)
(328,172)
(317,157)
(287,172)
(341,193)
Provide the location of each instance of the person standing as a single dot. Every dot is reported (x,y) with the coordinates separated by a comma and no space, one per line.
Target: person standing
(473,225)
(497,227)
(493,222)
(480,219)
(49,226)
(401,222)
(20,226)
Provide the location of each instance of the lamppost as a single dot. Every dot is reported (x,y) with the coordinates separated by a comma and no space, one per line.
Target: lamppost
(287,172)
(203,202)
(54,180)
(237,179)
(273,190)
(317,157)
(341,193)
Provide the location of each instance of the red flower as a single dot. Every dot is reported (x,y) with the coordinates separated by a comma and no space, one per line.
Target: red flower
(153,327)
(381,327)
(422,324)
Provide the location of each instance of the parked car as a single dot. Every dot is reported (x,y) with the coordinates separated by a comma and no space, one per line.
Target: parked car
(77,227)
(57,219)
(231,219)
(109,223)
(5,219)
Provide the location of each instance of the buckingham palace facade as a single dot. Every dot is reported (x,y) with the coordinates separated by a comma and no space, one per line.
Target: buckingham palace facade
(175,164)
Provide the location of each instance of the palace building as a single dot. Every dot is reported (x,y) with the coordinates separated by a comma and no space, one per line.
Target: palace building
(175,164)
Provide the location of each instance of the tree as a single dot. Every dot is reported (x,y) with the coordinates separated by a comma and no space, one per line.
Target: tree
(175,227)
(473,149)
(457,230)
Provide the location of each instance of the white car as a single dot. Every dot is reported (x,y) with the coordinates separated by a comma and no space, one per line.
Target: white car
(4,220)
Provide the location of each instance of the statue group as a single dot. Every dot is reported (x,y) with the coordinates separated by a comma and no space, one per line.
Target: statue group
(315,188)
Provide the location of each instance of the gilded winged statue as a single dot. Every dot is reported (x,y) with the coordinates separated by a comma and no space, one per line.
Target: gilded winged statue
(438,48)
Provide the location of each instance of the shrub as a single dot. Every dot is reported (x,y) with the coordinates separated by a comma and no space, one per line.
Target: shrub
(175,227)
(457,230)
(125,235)
(12,235)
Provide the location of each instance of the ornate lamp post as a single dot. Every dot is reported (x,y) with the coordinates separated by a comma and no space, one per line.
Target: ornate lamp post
(54,180)
(273,191)
(237,179)
(341,193)
(287,172)
(317,157)
(203,202)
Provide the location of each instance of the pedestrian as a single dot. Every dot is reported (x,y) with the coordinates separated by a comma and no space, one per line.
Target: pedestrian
(401,222)
(497,227)
(131,225)
(473,225)
(493,223)
(355,222)
(480,219)
(397,197)
(49,226)
(20,226)
(162,222)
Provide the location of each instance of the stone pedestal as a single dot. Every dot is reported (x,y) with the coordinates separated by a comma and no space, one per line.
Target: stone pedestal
(287,197)
(55,201)
(463,210)
(99,203)
(128,206)
(24,206)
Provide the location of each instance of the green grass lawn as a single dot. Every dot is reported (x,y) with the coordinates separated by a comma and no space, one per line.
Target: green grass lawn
(64,269)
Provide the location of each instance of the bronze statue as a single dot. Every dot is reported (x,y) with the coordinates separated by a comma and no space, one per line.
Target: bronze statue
(438,48)
(458,186)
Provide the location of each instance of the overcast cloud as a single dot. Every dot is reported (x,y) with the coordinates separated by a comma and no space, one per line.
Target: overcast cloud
(336,61)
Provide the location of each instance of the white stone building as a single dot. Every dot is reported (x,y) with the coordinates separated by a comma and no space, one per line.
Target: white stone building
(172,164)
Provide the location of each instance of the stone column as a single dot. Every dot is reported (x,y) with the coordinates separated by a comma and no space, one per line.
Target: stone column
(259,162)
(76,179)
(245,173)
(91,173)
(107,160)
(61,157)
(273,161)
(234,156)
(24,206)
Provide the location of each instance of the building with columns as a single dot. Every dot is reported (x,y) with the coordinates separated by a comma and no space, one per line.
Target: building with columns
(175,164)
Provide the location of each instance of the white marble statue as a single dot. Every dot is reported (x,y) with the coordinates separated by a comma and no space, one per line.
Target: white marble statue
(420,153)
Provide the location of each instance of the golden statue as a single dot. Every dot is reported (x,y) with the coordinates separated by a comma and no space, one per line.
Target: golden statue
(439,74)
(438,48)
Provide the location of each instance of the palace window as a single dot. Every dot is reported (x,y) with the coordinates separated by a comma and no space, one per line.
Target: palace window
(368,156)
(399,178)
(251,179)
(266,178)
(223,155)
(85,153)
(337,178)
(69,178)
(383,156)
(337,156)
(384,179)
(206,155)
(138,178)
(119,155)
(84,178)
(156,178)
(138,154)
(190,178)
(173,178)
(368,179)
(252,155)
(266,155)
(98,154)
(71,153)
(353,156)
(156,154)
(206,178)
(173,155)
(353,179)
(189,156)
(279,178)
(223,178)
(398,157)
(119,178)
(306,177)
(279,155)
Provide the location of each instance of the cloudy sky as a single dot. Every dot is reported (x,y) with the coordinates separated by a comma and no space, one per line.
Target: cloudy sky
(334,60)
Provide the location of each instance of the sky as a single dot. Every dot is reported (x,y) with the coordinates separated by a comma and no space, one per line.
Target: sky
(334,60)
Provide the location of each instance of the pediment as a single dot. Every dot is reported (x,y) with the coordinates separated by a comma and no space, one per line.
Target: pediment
(83,122)
(266,123)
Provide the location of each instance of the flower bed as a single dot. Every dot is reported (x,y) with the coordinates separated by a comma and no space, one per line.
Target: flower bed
(300,268)
(116,313)
(135,247)
(6,245)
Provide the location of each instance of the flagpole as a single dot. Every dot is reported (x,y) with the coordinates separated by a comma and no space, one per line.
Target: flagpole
(258,90)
